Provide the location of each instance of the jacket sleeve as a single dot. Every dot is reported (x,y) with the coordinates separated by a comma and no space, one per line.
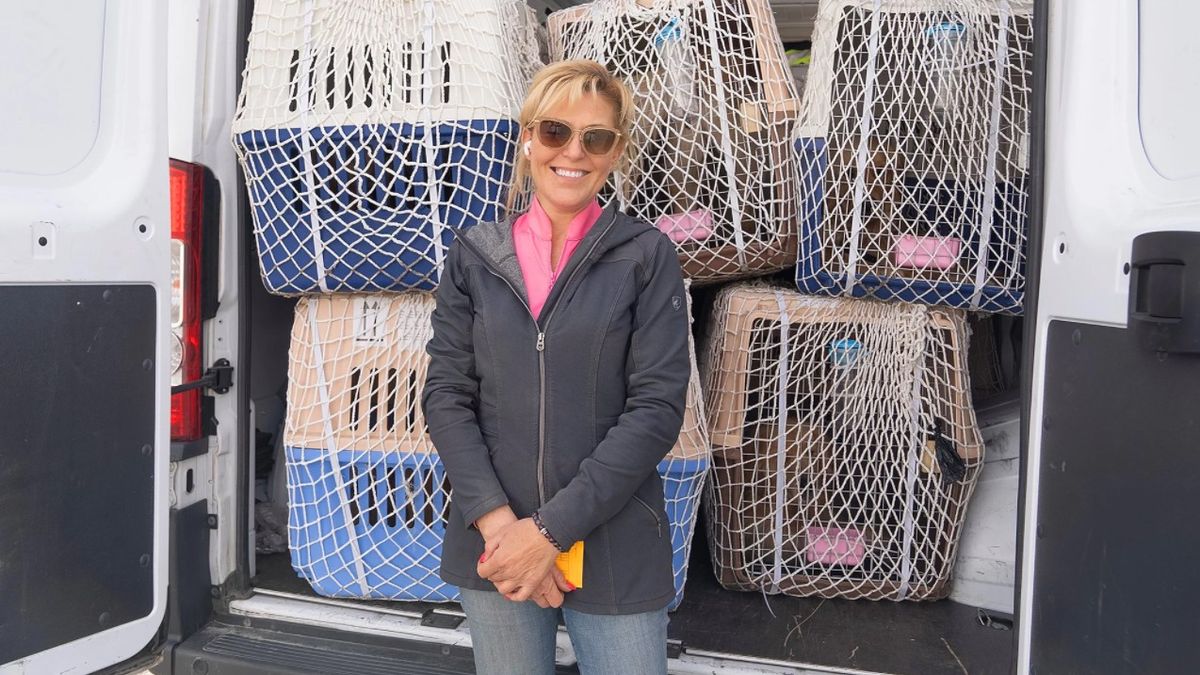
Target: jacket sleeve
(450,397)
(648,428)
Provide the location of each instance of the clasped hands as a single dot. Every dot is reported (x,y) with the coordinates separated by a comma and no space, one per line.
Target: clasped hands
(519,560)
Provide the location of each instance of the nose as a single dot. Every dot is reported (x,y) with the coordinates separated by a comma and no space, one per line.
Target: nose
(574,149)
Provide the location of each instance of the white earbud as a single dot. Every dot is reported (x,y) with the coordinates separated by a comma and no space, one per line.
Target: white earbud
(527,146)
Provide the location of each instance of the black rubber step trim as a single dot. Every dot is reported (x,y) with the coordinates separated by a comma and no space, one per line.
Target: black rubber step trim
(229,650)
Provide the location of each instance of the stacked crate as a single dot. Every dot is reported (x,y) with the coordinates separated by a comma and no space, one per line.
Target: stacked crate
(914,147)
(367,494)
(845,447)
(711,162)
(367,130)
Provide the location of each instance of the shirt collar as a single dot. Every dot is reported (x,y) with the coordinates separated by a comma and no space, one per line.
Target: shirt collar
(539,221)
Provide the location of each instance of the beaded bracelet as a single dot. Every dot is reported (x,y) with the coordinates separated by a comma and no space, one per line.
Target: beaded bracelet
(537,520)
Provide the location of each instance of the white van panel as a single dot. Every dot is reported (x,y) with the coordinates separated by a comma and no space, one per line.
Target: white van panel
(1101,188)
(1168,92)
(84,188)
(52,110)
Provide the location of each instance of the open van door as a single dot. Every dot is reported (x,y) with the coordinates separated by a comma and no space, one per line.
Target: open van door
(85,356)
(1112,478)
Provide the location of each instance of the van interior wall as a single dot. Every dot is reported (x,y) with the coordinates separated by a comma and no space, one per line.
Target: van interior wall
(270,335)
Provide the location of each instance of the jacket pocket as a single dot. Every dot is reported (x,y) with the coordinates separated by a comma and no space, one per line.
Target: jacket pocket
(653,514)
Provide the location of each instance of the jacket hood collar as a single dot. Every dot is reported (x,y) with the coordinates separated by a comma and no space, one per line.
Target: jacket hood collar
(494,242)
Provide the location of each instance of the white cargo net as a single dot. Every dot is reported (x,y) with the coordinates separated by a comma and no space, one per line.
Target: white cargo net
(914,144)
(845,448)
(684,472)
(712,162)
(368,495)
(368,128)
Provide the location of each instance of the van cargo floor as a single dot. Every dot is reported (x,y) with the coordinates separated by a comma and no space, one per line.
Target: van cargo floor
(923,638)
(919,638)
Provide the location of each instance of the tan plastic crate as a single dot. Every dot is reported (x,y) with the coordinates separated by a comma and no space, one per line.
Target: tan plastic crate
(711,154)
(356,371)
(859,463)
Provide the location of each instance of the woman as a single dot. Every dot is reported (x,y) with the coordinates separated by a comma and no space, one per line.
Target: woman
(557,376)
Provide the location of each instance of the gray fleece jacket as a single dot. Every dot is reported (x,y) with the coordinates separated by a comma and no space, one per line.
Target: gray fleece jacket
(569,414)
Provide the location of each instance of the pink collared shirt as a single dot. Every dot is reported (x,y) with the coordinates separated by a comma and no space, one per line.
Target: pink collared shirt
(532,238)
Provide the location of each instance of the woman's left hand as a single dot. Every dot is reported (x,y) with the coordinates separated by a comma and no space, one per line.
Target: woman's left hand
(517,560)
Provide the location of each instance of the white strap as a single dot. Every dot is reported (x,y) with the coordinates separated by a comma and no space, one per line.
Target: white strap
(733,194)
(862,155)
(310,183)
(916,448)
(429,141)
(331,445)
(988,210)
(781,420)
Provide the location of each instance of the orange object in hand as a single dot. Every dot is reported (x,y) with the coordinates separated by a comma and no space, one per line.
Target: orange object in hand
(571,564)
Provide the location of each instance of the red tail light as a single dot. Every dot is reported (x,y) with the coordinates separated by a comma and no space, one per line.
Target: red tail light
(187,211)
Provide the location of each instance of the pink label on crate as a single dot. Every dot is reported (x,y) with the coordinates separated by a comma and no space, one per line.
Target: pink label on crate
(928,252)
(834,545)
(690,226)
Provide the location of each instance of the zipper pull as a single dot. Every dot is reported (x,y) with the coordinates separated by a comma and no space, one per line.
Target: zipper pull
(541,343)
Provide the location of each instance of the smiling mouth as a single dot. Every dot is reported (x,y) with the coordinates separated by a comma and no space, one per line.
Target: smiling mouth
(568,173)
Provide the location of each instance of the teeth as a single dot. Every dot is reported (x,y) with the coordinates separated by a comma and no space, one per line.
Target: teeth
(568,173)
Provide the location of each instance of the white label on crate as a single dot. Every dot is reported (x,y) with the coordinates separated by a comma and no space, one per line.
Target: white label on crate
(371,319)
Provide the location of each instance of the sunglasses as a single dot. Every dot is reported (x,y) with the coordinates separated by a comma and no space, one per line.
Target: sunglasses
(596,140)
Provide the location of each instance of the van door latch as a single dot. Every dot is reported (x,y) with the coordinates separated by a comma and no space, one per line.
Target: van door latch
(1164,290)
(218,377)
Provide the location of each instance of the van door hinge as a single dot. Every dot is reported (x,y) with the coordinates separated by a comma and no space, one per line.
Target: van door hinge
(675,649)
(218,377)
(435,619)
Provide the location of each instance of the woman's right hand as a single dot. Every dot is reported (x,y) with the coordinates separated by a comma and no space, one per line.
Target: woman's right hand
(552,590)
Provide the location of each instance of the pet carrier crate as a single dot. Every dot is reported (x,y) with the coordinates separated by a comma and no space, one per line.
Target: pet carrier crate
(845,447)
(711,162)
(914,146)
(367,130)
(368,494)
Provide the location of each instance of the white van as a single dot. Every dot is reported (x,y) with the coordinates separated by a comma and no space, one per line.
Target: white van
(127,266)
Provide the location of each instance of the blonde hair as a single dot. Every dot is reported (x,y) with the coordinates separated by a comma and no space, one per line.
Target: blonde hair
(570,81)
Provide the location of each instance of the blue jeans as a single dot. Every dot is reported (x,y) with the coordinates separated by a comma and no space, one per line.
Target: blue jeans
(518,638)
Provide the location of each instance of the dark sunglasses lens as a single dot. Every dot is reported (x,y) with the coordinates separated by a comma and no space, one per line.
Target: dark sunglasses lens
(598,141)
(553,134)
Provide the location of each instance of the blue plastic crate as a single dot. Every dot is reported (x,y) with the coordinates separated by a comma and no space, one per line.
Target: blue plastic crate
(376,227)
(399,540)
(1010,222)
(682,482)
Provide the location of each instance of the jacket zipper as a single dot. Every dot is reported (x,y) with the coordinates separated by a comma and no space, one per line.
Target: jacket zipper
(541,345)
(541,350)
(657,521)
